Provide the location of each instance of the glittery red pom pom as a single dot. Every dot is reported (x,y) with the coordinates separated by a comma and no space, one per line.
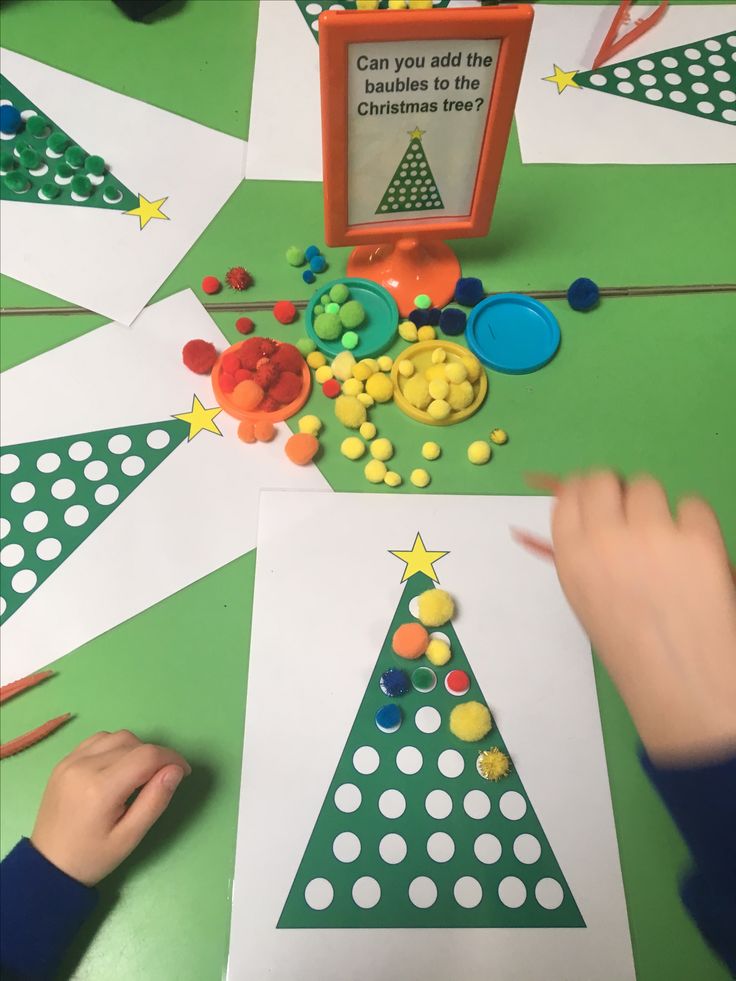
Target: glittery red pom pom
(238,278)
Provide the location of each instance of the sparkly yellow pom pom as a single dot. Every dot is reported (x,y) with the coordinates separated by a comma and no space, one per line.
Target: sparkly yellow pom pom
(316,359)
(323,374)
(493,764)
(349,411)
(380,387)
(439,409)
(351,386)
(406,369)
(382,449)
(470,721)
(416,391)
(310,424)
(436,607)
(352,447)
(431,451)
(438,652)
(479,452)
(375,471)
(455,372)
(499,437)
(385,363)
(368,430)
(392,479)
(438,388)
(420,477)
(461,395)
(426,333)
(408,331)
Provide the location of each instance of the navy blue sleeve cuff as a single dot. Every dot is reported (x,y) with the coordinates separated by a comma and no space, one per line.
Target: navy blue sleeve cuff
(42,909)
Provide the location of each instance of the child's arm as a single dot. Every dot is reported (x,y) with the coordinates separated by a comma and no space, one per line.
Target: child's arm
(83,831)
(657,598)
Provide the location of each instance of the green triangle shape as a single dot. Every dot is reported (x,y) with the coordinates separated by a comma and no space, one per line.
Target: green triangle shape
(484,848)
(696,78)
(412,187)
(311,9)
(53,173)
(55,492)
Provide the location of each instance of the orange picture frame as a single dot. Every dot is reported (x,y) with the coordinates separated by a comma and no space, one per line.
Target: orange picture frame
(510,25)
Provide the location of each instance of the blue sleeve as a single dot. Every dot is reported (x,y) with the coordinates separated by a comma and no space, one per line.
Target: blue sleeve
(702,802)
(42,909)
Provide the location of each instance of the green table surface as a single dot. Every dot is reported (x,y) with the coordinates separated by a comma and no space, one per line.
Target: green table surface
(640,384)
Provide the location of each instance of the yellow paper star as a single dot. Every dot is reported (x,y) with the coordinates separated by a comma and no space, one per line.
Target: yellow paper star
(416,133)
(147,210)
(200,418)
(418,560)
(562,79)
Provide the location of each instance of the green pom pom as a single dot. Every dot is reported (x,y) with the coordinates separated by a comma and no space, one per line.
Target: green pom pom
(326,326)
(75,156)
(295,256)
(350,339)
(318,310)
(112,195)
(333,308)
(305,346)
(339,293)
(422,302)
(17,183)
(29,157)
(37,126)
(7,161)
(95,165)
(51,190)
(64,171)
(324,299)
(352,314)
(57,142)
(81,185)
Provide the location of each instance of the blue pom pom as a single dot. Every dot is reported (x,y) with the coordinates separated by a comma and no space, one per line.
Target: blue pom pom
(388,718)
(394,682)
(308,276)
(583,294)
(318,263)
(469,291)
(433,316)
(419,317)
(452,321)
(310,252)
(10,119)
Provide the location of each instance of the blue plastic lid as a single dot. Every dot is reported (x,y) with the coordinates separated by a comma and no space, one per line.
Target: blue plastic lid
(513,333)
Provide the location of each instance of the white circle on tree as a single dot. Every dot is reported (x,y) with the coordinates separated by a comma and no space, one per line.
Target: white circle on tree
(11,555)
(24,581)
(699,88)
(35,521)
(667,62)
(422,892)
(80,450)
(487,849)
(654,95)
(95,470)
(672,78)
(527,849)
(157,439)
(48,549)
(48,462)
(414,607)
(621,72)
(706,107)
(348,798)
(318,894)
(366,760)
(512,805)
(477,804)
(468,892)
(4,527)
(76,515)
(625,88)
(512,892)
(22,492)
(392,849)
(440,847)
(598,79)
(677,96)
(450,763)
(120,443)
(409,760)
(346,847)
(107,494)
(9,463)
(549,893)
(366,892)
(132,466)
(427,719)
(645,64)
(692,53)
(438,804)
(696,70)
(63,488)
(647,80)
(391,804)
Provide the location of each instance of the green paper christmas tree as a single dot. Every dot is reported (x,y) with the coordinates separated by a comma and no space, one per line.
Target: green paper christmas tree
(54,493)
(311,9)
(410,834)
(697,78)
(413,186)
(42,164)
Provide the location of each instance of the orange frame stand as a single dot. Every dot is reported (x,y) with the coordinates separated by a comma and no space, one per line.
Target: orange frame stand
(408,256)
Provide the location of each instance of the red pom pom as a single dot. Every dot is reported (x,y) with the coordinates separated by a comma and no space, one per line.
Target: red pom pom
(331,388)
(287,388)
(288,358)
(230,362)
(284,311)
(227,382)
(268,404)
(244,325)
(250,352)
(266,374)
(199,356)
(238,278)
(211,284)
(268,346)
(242,374)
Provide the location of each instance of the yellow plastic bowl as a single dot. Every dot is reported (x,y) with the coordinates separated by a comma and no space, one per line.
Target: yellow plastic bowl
(421,357)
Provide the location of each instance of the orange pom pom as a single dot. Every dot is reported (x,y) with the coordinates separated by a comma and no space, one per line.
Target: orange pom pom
(247,395)
(410,640)
(301,448)
(264,431)
(246,431)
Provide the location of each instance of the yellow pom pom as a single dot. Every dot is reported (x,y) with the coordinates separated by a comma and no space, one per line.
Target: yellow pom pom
(492,764)
(439,355)
(366,4)
(435,372)
(375,471)
(438,388)
(323,374)
(416,391)
(310,424)
(349,411)
(380,387)
(438,652)
(372,364)
(420,4)
(406,369)
(460,396)
(479,452)
(472,366)
(431,451)
(455,372)
(470,721)
(382,449)
(392,479)
(420,477)
(365,399)
(436,607)
(396,5)
(342,365)
(385,363)
(439,409)
(368,430)
(499,437)
(408,331)
(352,447)
(426,333)
(362,371)
(351,386)
(315,359)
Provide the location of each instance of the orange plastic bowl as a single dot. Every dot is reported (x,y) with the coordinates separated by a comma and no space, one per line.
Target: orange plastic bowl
(258,415)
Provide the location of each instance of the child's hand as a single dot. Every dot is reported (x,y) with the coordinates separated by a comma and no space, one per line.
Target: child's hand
(83,826)
(657,599)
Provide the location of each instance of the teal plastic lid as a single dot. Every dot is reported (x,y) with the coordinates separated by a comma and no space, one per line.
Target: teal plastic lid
(377,331)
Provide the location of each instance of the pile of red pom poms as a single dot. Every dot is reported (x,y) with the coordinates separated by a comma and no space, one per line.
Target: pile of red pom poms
(260,374)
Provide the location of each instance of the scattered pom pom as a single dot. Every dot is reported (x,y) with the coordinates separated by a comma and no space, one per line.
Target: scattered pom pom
(323,374)
(287,357)
(455,372)
(350,412)
(420,477)
(439,409)
(362,371)
(286,388)
(284,311)
(438,652)
(301,448)
(453,321)
(439,389)
(368,430)
(51,191)
(395,683)
(388,718)
(230,362)
(436,607)
(382,449)
(244,325)
(29,158)
(406,368)
(327,326)
(410,640)
(81,185)
(94,165)
(416,392)
(352,314)
(469,291)
(583,294)
(37,125)
(211,285)
(199,356)
(460,396)
(380,387)
(352,448)
(363,397)
(242,374)
(324,299)
(457,683)
(16,182)
(247,431)
(408,331)
(253,350)
(375,471)
(473,367)
(264,431)
(499,436)
(238,278)
(227,382)
(385,363)
(479,452)
(430,450)
(10,120)
(353,387)
(315,359)
(426,334)
(7,161)
(420,318)
(339,293)
(350,340)
(57,143)
(331,388)
(332,308)
(310,424)
(75,156)
(310,252)
(308,277)
(318,264)
(295,256)
(433,316)
(422,301)
(392,479)
(470,721)
(492,764)
(247,395)
(305,346)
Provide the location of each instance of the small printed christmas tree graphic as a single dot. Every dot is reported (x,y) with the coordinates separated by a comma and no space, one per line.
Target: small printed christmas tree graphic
(696,78)
(41,164)
(311,9)
(413,186)
(55,492)
(410,833)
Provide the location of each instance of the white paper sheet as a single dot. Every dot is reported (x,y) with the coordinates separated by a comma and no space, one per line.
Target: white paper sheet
(98,258)
(178,524)
(584,126)
(320,616)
